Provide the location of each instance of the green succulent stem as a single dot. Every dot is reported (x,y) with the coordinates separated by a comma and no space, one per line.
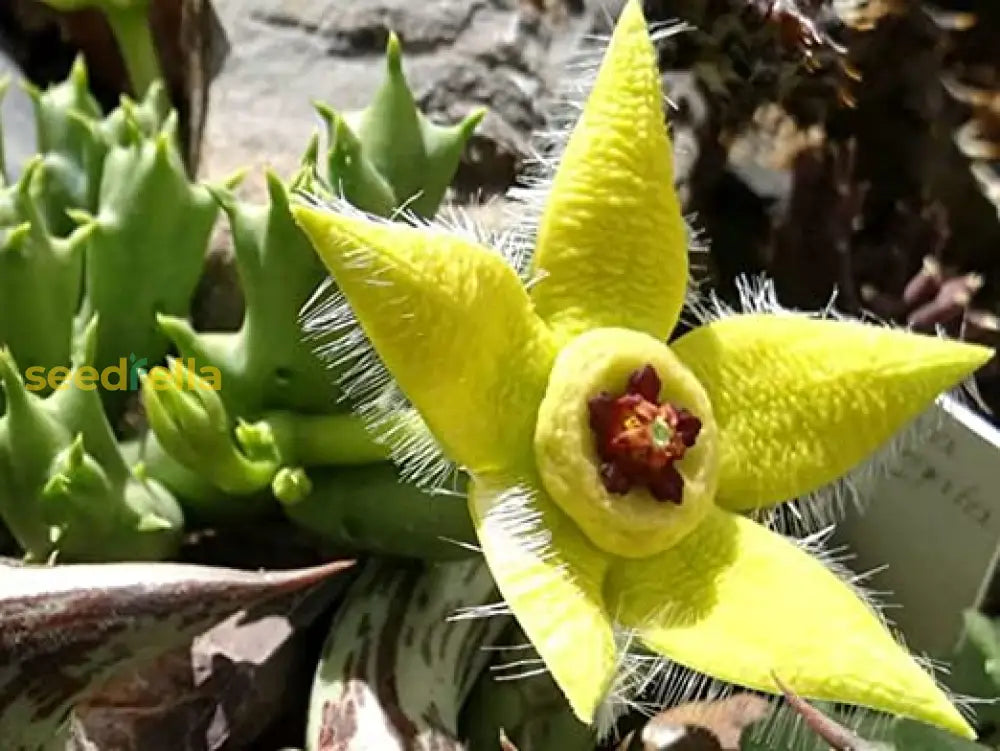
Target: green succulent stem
(65,487)
(370,509)
(322,440)
(156,462)
(130,26)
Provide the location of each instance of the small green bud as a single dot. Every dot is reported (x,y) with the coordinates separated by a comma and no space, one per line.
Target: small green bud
(291,485)
(193,426)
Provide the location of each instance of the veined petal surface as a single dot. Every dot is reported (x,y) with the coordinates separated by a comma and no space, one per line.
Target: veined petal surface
(612,245)
(740,603)
(552,578)
(800,401)
(452,323)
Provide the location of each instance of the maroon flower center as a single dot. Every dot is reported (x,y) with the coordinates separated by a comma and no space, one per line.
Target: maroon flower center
(640,439)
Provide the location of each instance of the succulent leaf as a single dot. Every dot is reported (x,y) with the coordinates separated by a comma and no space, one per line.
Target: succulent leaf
(374,686)
(389,155)
(99,620)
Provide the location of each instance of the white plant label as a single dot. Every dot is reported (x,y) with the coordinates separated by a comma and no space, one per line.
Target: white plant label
(934,523)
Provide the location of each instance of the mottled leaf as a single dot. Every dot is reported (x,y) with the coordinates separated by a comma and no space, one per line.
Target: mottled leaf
(65,629)
(396,667)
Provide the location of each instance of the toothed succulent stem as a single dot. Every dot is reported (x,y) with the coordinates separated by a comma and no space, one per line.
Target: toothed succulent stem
(71,149)
(40,277)
(370,509)
(65,489)
(267,363)
(149,237)
(389,156)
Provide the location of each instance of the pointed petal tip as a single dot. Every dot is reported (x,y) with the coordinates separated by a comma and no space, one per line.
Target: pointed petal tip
(738,638)
(320,223)
(612,240)
(632,20)
(319,226)
(309,219)
(952,359)
(976,355)
(952,720)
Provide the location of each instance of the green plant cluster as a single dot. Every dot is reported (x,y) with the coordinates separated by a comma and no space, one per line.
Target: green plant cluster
(102,242)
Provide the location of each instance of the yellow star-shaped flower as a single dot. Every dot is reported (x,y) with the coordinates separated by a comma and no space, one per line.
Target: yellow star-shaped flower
(607,468)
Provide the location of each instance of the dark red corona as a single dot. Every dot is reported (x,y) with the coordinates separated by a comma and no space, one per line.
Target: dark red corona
(639,439)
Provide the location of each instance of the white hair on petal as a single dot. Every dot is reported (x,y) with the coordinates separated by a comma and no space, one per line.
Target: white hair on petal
(515,526)
(645,682)
(529,198)
(341,343)
(829,504)
(648,683)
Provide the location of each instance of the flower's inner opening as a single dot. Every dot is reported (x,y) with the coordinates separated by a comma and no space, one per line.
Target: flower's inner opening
(639,439)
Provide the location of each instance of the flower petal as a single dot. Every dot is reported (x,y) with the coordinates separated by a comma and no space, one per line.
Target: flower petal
(612,245)
(452,323)
(800,401)
(551,577)
(742,604)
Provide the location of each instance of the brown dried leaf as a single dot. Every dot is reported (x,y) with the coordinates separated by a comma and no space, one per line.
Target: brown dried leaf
(701,726)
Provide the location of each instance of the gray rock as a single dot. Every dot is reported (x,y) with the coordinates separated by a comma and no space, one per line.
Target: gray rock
(458,54)
(17,117)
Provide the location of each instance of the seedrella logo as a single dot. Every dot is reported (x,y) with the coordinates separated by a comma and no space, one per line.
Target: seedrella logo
(125,376)
(135,367)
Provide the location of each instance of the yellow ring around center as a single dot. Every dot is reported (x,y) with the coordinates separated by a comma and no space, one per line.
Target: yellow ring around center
(633,525)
